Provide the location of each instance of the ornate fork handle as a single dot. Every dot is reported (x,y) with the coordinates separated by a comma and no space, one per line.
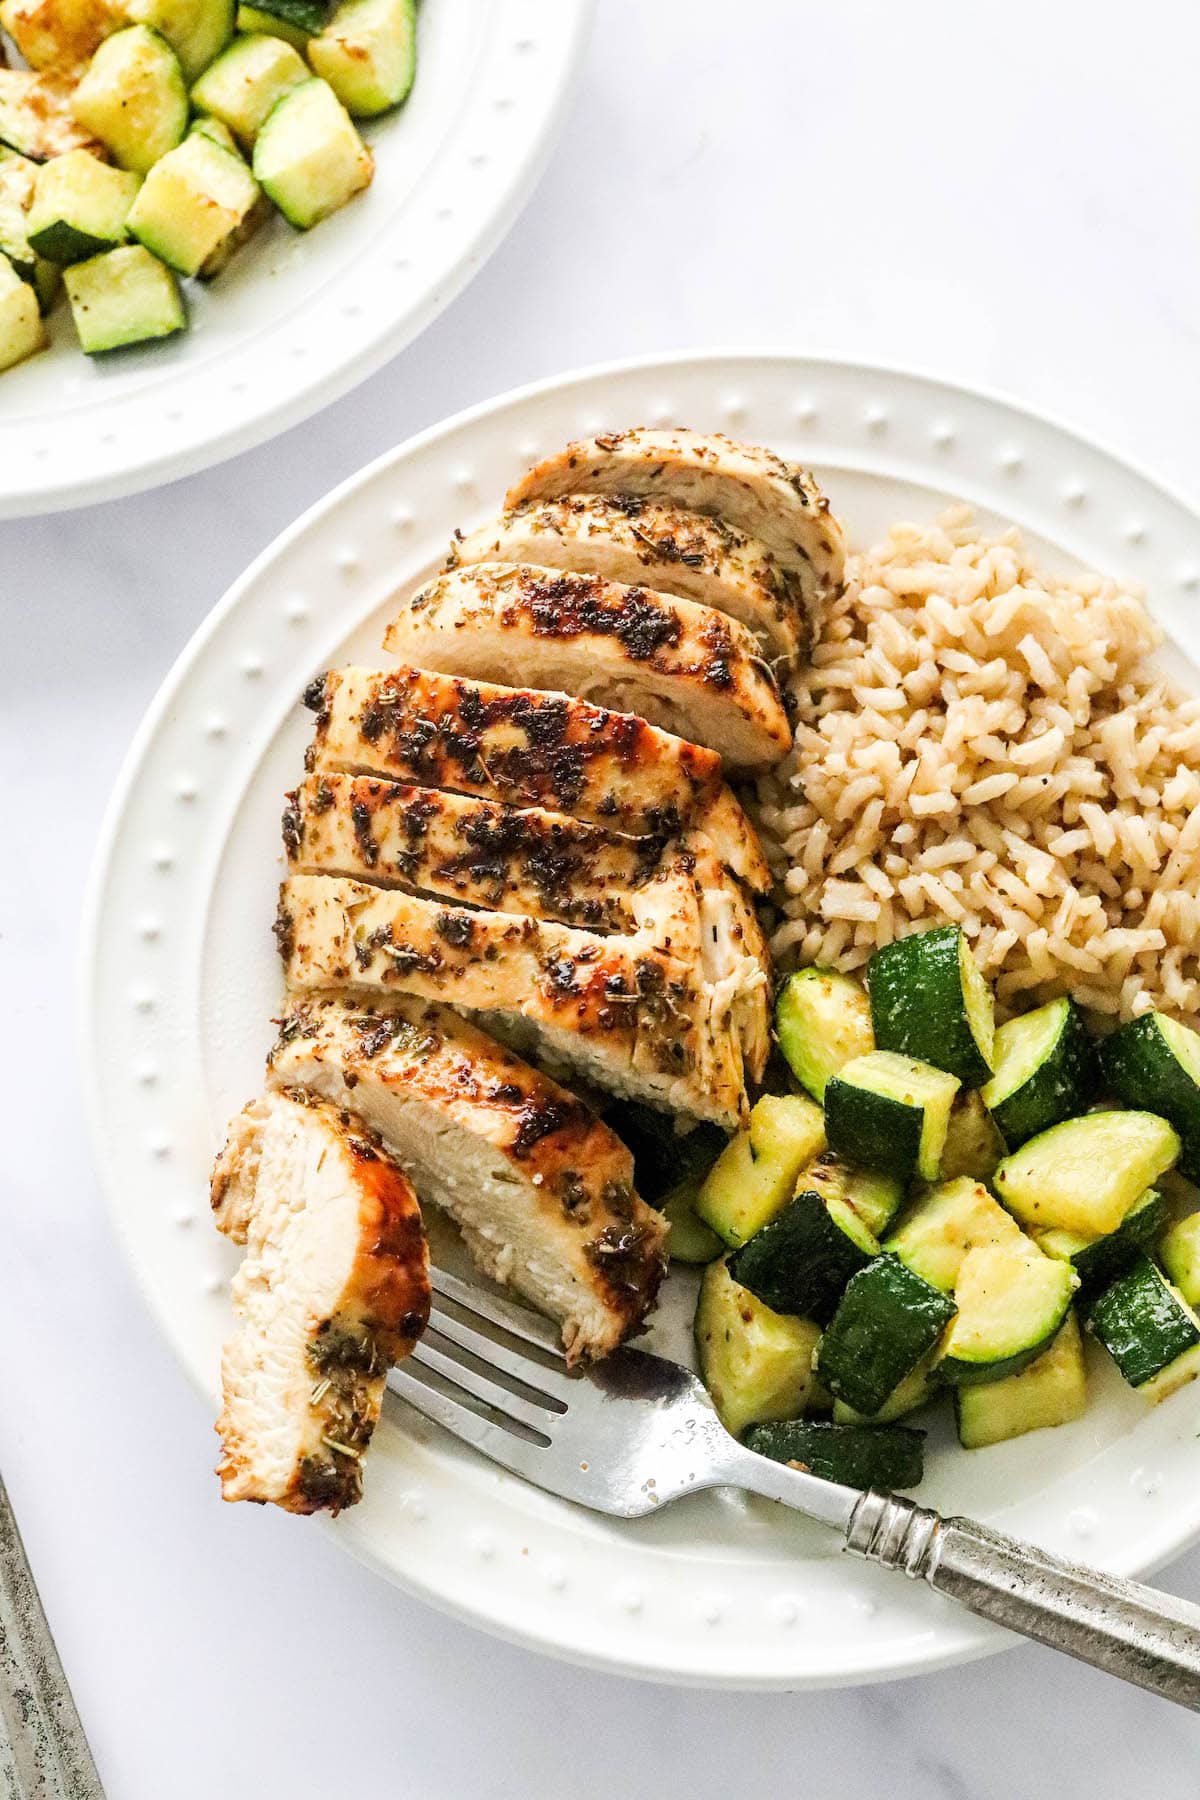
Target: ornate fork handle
(1129,1630)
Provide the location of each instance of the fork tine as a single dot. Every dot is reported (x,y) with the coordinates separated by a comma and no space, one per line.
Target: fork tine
(504,1447)
(518,1320)
(510,1362)
(500,1399)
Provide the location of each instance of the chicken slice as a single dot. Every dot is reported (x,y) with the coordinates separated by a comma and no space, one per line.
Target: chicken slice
(683,667)
(669,548)
(333,1289)
(529,749)
(632,1017)
(541,1189)
(750,489)
(480,852)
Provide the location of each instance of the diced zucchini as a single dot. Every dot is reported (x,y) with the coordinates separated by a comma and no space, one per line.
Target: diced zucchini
(197,30)
(802,1259)
(35,115)
(1099,1260)
(890,1112)
(59,34)
(1155,1062)
(368,54)
(21,328)
(929,1001)
(859,1456)
(1085,1174)
(1179,1252)
(79,207)
(888,1320)
(216,131)
(252,19)
(1149,1330)
(124,297)
(756,1365)
(132,97)
(1046,1071)
(1051,1391)
(245,83)
(916,1390)
(822,1022)
(308,156)
(944,1224)
(973,1146)
(192,204)
(756,1172)
(1011,1302)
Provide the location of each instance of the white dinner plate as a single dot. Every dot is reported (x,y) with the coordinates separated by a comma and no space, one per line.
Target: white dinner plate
(299,317)
(181,980)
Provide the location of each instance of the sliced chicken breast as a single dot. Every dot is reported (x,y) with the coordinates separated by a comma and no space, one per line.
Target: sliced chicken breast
(752,490)
(631,1017)
(541,1190)
(683,667)
(529,749)
(670,549)
(333,1289)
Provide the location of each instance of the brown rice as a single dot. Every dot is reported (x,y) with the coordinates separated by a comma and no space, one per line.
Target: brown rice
(981,741)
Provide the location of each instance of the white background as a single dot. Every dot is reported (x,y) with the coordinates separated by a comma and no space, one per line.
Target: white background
(1004,194)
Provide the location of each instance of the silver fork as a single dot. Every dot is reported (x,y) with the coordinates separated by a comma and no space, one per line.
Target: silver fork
(635,1431)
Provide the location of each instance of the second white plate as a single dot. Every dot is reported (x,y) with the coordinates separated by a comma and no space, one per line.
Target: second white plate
(181,981)
(299,317)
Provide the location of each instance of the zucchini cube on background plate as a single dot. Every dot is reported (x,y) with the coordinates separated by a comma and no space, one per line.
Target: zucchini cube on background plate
(124,297)
(368,54)
(197,30)
(1011,1303)
(193,203)
(860,1456)
(21,328)
(79,207)
(308,156)
(132,96)
(247,82)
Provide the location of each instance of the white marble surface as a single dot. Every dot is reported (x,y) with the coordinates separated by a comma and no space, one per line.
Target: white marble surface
(1007,194)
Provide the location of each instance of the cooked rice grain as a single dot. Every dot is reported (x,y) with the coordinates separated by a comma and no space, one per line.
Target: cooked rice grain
(982,741)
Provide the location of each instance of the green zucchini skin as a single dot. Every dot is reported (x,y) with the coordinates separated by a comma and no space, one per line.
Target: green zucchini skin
(822,1021)
(859,1456)
(1098,1261)
(1063,1085)
(801,1260)
(888,1319)
(877,1110)
(1138,1060)
(1143,1324)
(1179,1254)
(918,1006)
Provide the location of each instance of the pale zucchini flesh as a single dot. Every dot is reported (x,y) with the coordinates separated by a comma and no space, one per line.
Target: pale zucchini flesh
(756,1364)
(1085,1174)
